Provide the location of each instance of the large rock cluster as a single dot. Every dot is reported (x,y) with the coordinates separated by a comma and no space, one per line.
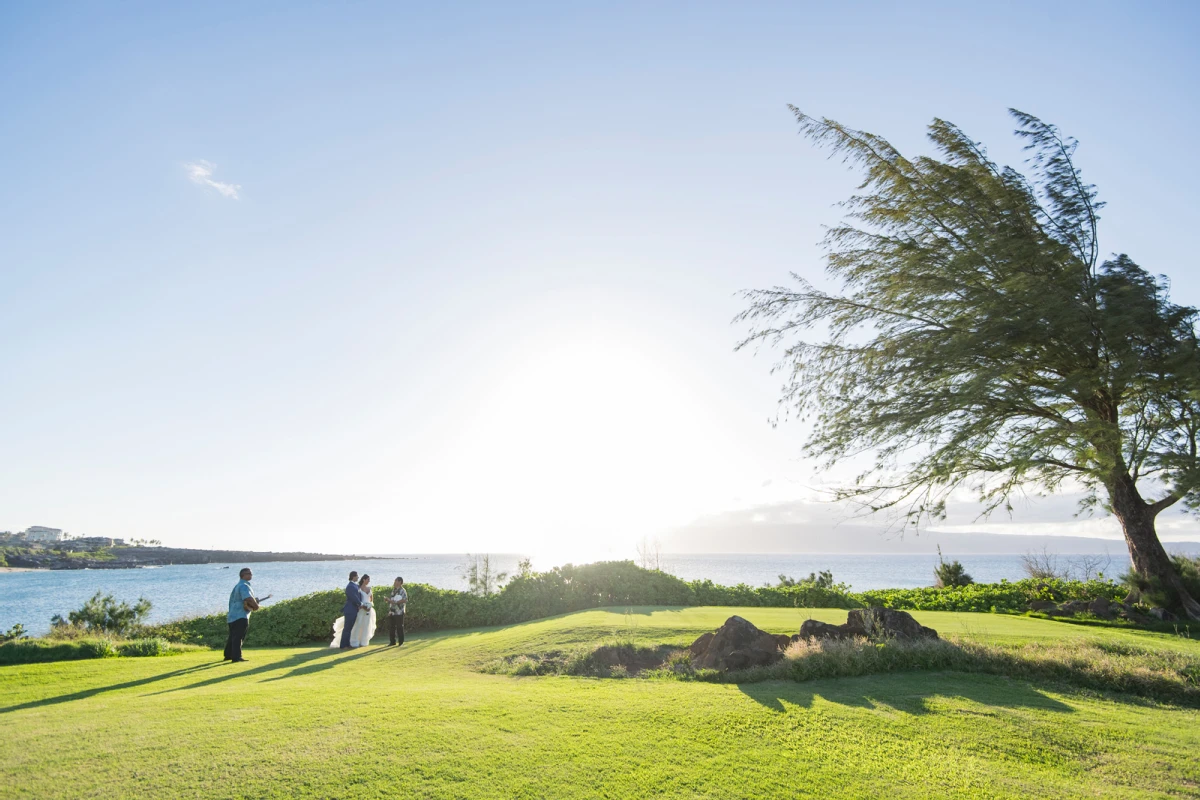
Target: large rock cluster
(869,623)
(738,644)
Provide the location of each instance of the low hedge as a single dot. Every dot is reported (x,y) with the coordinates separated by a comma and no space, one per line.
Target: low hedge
(562,590)
(37,651)
(1004,596)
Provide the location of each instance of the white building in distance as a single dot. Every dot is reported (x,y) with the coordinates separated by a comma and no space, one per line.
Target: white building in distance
(36,533)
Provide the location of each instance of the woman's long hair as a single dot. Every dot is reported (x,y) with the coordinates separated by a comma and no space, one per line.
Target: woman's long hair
(363,580)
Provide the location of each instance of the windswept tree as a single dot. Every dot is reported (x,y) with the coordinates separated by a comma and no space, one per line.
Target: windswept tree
(978,341)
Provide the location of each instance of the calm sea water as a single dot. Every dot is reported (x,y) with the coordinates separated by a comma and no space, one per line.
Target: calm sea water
(31,598)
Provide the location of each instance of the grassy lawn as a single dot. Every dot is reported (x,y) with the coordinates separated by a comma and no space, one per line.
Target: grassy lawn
(420,721)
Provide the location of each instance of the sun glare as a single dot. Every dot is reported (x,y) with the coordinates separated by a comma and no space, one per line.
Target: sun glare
(581,446)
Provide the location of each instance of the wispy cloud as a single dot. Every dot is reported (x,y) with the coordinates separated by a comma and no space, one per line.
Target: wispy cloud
(200,172)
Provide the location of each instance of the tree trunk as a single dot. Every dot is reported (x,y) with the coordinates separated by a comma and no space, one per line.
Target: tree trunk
(1149,558)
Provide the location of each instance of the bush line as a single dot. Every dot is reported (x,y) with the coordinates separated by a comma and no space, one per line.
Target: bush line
(566,589)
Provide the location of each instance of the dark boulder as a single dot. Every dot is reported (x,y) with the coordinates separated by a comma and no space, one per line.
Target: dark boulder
(815,629)
(1073,607)
(888,623)
(701,644)
(1162,614)
(869,623)
(1045,606)
(737,644)
(1101,607)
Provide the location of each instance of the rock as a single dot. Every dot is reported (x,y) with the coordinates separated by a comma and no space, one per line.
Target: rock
(784,641)
(1133,615)
(1101,607)
(1046,606)
(888,623)
(870,623)
(701,644)
(1163,614)
(815,629)
(737,644)
(1073,607)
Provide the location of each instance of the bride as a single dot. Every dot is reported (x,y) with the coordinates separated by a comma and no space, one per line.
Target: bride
(364,622)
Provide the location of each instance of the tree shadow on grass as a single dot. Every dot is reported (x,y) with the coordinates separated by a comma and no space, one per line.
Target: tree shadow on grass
(908,692)
(86,693)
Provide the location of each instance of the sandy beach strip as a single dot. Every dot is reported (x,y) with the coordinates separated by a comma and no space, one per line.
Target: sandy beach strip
(20,569)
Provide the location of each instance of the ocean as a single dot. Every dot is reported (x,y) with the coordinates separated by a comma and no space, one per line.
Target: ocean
(31,598)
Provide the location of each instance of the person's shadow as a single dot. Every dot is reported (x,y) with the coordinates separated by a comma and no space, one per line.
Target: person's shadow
(301,663)
(86,693)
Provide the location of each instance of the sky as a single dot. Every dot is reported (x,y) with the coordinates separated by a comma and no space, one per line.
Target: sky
(380,277)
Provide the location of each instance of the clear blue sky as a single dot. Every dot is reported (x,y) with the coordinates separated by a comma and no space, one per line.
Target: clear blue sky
(380,277)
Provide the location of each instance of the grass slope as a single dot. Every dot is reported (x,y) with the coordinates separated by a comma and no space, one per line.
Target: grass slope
(421,721)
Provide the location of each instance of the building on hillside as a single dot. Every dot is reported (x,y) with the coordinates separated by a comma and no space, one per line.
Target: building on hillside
(37,533)
(98,541)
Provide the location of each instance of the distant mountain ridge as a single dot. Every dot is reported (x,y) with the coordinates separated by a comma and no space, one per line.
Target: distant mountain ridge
(844,539)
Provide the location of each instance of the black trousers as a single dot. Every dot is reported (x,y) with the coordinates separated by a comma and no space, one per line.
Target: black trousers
(396,628)
(347,626)
(237,635)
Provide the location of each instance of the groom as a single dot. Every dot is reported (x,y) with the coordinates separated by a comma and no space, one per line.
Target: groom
(354,601)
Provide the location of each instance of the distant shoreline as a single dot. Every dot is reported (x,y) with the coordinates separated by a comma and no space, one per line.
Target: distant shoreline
(137,557)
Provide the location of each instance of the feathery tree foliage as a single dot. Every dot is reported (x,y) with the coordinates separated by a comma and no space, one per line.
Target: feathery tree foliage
(978,341)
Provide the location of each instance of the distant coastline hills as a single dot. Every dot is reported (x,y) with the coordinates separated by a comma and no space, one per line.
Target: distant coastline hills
(131,557)
(785,538)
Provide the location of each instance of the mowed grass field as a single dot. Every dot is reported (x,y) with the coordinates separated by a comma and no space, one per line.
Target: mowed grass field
(422,722)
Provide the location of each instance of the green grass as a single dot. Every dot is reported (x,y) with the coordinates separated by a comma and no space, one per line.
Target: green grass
(423,721)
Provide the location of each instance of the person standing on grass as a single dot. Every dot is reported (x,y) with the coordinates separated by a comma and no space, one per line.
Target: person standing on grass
(350,610)
(241,602)
(397,605)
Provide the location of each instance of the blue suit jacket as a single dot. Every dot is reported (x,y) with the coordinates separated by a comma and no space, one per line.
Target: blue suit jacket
(354,599)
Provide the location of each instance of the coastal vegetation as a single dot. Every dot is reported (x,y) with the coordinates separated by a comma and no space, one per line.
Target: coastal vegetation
(51,648)
(427,718)
(105,614)
(536,595)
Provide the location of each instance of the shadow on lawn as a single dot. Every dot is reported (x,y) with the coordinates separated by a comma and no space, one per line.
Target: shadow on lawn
(86,693)
(324,664)
(908,693)
(299,664)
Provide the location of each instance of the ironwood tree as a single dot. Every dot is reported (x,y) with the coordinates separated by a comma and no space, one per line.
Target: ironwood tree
(978,341)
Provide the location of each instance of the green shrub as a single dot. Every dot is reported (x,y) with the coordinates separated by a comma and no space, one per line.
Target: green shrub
(66,632)
(103,614)
(156,646)
(15,632)
(36,651)
(950,573)
(981,597)
(97,648)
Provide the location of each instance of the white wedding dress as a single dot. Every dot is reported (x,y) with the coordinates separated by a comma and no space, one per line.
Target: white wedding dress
(363,630)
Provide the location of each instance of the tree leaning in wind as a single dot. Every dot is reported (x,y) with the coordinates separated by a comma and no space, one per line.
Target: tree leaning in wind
(978,343)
